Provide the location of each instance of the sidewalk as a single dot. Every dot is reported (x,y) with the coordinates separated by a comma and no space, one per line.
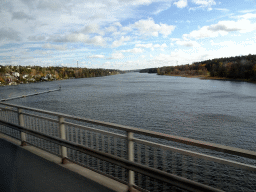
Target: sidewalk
(23,171)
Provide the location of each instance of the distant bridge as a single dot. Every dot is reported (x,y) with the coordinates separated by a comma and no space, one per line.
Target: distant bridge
(141,159)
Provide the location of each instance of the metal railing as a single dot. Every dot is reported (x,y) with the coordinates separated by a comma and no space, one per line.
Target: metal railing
(29,95)
(140,158)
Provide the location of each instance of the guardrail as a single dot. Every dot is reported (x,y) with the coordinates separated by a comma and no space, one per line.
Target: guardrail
(143,159)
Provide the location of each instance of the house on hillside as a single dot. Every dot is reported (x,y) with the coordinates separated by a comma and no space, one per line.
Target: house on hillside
(25,76)
(9,78)
(49,76)
(31,79)
(44,79)
(15,74)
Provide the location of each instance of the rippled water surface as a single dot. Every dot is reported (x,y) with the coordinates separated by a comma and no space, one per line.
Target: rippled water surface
(210,110)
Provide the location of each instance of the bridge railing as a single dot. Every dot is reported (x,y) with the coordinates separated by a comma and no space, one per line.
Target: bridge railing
(203,163)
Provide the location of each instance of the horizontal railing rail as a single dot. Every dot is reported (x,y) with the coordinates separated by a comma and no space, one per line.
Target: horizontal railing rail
(96,130)
(148,149)
(199,155)
(7,109)
(37,93)
(151,172)
(187,141)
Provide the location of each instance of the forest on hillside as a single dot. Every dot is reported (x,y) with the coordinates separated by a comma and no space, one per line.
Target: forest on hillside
(239,67)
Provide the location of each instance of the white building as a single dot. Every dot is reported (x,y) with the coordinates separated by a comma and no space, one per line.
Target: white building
(25,76)
(15,74)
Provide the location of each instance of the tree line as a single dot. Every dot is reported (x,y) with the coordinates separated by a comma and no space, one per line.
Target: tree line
(24,74)
(239,67)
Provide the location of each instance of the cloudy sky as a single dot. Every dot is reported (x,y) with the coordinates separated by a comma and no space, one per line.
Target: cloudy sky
(124,34)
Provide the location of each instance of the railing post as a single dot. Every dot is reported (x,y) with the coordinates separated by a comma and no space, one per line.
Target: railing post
(21,123)
(130,150)
(63,136)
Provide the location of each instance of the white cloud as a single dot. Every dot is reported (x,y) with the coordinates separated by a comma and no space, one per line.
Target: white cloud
(130,65)
(134,50)
(76,37)
(188,43)
(181,3)
(97,40)
(117,24)
(52,5)
(111,29)
(39,52)
(120,42)
(248,16)
(92,28)
(222,28)
(224,43)
(80,37)
(149,45)
(97,56)
(36,38)
(150,28)
(160,46)
(162,8)
(230,44)
(137,2)
(225,49)
(9,34)
(21,15)
(247,11)
(166,29)
(116,55)
(240,25)
(204,3)
(222,9)
(127,28)
(152,46)
(203,33)
(174,39)
(52,46)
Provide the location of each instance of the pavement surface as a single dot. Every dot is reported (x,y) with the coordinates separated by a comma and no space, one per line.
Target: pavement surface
(23,171)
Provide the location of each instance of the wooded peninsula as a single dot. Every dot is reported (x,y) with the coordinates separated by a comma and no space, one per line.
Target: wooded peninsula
(231,68)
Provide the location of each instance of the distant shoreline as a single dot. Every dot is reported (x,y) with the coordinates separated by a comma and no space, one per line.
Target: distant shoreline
(62,79)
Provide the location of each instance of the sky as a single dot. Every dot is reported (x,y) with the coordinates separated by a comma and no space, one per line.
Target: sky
(124,34)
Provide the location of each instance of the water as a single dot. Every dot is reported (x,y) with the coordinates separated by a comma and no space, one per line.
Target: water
(216,111)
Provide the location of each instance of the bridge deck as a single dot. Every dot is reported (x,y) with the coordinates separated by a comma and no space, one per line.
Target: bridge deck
(21,170)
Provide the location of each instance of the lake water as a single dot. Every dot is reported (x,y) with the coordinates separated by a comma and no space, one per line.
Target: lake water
(210,110)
